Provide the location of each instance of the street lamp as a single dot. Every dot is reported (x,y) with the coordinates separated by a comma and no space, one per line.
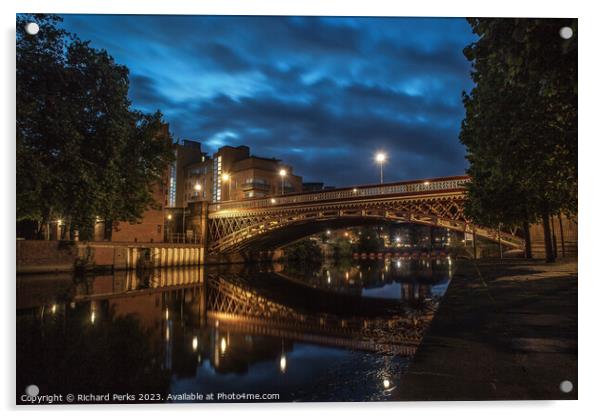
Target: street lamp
(197,187)
(380,159)
(282,174)
(169,217)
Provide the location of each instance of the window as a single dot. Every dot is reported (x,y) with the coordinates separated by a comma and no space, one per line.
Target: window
(172,186)
(217,176)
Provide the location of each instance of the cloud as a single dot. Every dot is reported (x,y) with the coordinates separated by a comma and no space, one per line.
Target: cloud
(323,94)
(224,57)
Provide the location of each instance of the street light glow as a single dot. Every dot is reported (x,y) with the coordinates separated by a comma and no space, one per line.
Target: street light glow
(197,187)
(283,363)
(226,177)
(169,216)
(282,174)
(380,159)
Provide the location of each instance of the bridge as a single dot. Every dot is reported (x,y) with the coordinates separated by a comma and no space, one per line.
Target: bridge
(271,222)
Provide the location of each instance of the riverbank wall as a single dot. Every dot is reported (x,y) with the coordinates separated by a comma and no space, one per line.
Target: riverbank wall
(39,256)
(44,256)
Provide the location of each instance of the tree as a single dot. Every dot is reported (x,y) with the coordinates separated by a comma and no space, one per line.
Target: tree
(369,241)
(82,152)
(305,250)
(342,248)
(520,125)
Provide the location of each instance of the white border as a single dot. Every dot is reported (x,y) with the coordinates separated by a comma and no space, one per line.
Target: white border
(590,290)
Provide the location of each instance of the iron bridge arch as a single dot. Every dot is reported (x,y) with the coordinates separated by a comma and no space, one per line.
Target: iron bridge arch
(269,223)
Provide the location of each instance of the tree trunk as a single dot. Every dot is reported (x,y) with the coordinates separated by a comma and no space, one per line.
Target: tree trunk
(40,230)
(547,238)
(43,232)
(561,234)
(528,250)
(499,240)
(474,242)
(554,241)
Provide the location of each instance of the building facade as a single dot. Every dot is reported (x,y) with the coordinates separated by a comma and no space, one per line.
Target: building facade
(232,173)
(186,153)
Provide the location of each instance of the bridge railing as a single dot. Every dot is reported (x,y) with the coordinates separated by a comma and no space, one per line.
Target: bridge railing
(431,185)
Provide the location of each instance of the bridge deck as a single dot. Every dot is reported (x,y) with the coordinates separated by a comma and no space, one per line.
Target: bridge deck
(445,184)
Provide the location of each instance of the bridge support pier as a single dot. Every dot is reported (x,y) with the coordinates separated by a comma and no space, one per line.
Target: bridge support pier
(204,231)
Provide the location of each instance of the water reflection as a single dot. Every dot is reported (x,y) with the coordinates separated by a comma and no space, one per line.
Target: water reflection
(341,331)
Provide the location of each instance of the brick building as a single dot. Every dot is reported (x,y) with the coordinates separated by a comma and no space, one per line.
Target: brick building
(232,173)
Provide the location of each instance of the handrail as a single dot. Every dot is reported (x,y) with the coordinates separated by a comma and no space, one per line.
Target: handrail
(428,185)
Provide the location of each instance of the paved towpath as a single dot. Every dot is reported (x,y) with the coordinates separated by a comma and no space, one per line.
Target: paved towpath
(505,330)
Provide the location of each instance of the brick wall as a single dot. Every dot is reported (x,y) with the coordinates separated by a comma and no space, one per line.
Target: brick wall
(53,255)
(149,229)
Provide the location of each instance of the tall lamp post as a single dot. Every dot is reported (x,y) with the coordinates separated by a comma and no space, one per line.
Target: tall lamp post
(197,188)
(169,227)
(282,174)
(380,159)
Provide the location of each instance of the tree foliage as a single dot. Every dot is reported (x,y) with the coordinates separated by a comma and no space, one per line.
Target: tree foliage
(303,251)
(520,129)
(369,241)
(82,151)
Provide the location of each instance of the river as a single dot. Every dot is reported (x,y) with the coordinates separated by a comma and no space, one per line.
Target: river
(333,331)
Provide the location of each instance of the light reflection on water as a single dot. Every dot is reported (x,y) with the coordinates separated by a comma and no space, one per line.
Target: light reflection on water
(334,331)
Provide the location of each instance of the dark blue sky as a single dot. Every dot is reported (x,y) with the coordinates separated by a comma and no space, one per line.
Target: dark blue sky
(323,94)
